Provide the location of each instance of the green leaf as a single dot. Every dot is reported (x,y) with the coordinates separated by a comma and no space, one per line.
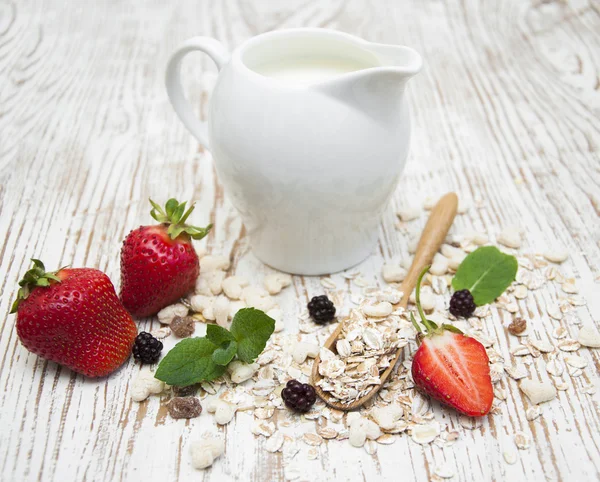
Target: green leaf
(452,328)
(171,206)
(224,354)
(189,362)
(251,329)
(486,273)
(218,335)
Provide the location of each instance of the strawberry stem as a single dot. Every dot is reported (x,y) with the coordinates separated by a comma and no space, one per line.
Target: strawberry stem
(428,324)
(35,277)
(175,216)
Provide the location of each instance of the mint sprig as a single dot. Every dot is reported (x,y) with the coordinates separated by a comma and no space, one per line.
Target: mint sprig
(486,273)
(202,359)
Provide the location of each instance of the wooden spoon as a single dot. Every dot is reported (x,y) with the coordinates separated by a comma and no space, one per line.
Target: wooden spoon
(436,229)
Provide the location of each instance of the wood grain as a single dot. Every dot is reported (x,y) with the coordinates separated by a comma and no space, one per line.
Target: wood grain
(505,113)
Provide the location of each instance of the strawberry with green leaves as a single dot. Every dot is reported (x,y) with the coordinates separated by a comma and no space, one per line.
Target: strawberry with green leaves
(73,317)
(451,366)
(158,263)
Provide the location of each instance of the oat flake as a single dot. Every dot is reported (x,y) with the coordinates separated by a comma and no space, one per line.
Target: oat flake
(522,441)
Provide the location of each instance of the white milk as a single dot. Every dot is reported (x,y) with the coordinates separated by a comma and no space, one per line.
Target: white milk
(310,70)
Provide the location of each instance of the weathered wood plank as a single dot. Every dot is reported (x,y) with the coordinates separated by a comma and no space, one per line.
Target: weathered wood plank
(505,113)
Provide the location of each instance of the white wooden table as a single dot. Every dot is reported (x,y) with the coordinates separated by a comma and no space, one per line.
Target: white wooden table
(506,114)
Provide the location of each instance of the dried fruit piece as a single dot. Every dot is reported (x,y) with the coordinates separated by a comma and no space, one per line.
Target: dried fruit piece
(517,326)
(184,407)
(185,391)
(183,326)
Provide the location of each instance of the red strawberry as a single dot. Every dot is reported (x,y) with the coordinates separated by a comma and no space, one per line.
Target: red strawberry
(158,263)
(452,367)
(73,317)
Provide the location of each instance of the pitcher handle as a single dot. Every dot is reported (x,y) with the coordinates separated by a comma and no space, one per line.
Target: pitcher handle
(218,53)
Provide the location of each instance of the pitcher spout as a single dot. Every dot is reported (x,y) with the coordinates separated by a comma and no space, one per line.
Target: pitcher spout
(378,91)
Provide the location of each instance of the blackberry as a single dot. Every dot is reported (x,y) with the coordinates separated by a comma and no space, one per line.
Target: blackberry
(146,348)
(462,304)
(321,309)
(299,396)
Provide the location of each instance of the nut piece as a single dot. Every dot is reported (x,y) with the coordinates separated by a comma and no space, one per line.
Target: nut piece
(556,255)
(232,286)
(510,237)
(183,326)
(240,372)
(224,411)
(167,314)
(221,311)
(589,336)
(213,263)
(277,315)
(378,310)
(518,325)
(275,282)
(538,392)
(393,273)
(144,385)
(204,452)
(184,407)
(386,417)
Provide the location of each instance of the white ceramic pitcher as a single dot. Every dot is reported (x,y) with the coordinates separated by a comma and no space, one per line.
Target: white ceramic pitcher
(310,161)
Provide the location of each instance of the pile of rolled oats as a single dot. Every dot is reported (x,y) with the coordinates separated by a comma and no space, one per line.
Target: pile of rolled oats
(373,332)
(365,347)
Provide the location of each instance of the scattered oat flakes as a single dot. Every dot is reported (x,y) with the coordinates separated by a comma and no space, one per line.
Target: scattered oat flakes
(425,434)
(568,344)
(533,412)
(522,440)
(576,361)
(312,439)
(275,442)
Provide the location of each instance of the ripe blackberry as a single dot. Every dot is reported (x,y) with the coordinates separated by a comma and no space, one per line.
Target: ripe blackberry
(146,348)
(462,304)
(299,396)
(321,309)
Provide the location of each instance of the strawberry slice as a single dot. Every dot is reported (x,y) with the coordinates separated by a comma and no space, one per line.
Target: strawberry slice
(452,367)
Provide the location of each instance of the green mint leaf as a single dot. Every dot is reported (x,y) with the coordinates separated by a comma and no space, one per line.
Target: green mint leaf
(486,273)
(251,329)
(218,335)
(189,362)
(224,354)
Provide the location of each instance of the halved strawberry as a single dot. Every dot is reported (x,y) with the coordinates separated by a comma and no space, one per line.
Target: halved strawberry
(452,367)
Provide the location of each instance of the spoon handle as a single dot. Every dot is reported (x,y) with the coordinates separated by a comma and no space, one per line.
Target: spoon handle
(436,229)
